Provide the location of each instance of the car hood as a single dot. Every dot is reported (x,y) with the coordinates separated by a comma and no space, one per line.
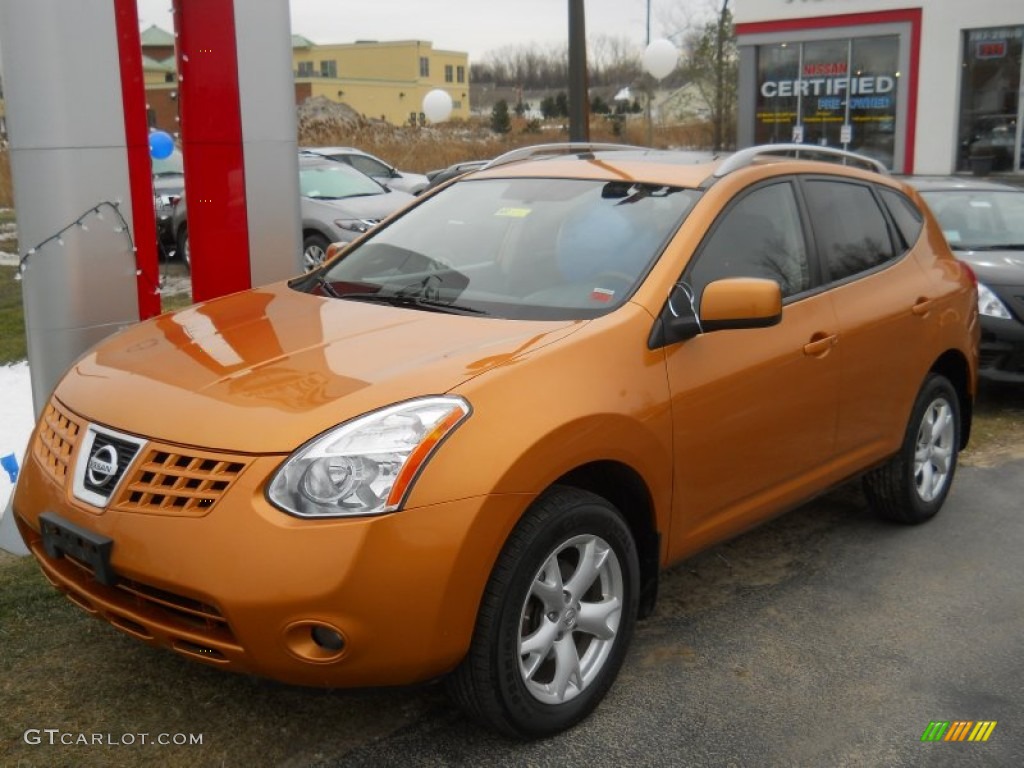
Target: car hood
(263,371)
(367,207)
(996,267)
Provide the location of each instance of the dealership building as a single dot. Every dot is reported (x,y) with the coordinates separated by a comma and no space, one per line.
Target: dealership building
(925,86)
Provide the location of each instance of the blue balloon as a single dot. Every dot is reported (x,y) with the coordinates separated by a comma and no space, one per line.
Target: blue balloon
(160,145)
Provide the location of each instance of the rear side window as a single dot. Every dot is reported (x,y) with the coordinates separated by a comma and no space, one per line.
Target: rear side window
(368,165)
(850,229)
(909,220)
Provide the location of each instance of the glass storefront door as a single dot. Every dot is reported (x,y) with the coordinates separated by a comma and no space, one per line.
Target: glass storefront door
(990,135)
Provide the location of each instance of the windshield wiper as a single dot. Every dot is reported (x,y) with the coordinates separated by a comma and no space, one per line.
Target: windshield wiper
(412,302)
(992,247)
(327,287)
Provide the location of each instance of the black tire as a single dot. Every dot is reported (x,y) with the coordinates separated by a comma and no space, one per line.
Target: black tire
(580,629)
(911,487)
(184,249)
(314,251)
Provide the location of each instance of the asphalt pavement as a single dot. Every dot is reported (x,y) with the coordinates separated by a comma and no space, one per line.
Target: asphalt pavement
(824,638)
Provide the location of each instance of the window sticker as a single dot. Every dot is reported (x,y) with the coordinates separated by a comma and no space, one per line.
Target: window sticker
(513,213)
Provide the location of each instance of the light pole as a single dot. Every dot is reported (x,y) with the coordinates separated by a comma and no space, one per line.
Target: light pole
(720,78)
(579,123)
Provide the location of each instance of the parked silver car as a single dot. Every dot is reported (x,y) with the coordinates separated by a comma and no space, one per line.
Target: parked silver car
(374,167)
(983,221)
(168,187)
(337,203)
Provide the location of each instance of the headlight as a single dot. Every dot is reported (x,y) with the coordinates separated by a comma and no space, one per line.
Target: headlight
(365,466)
(990,305)
(355,225)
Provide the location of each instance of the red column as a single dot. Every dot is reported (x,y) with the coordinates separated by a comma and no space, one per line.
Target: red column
(140,170)
(211,132)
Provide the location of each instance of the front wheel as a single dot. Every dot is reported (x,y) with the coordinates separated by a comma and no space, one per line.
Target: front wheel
(555,620)
(314,251)
(912,486)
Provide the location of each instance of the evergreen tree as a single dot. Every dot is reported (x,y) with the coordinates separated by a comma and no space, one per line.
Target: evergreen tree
(500,120)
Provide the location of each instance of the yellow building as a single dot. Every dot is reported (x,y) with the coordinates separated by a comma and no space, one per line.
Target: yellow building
(386,80)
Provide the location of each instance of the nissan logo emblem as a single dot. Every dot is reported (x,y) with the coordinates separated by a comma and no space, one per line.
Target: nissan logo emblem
(102,465)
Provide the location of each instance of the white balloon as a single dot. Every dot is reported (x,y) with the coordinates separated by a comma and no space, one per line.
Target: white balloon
(437,105)
(660,58)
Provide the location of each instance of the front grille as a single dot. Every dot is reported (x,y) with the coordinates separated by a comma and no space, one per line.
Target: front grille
(164,479)
(56,441)
(178,482)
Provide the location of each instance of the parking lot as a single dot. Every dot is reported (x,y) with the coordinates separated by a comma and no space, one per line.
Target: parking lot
(824,638)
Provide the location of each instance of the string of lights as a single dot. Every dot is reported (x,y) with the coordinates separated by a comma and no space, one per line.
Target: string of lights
(81,223)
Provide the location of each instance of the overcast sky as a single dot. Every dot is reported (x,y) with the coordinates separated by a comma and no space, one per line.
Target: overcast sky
(474,26)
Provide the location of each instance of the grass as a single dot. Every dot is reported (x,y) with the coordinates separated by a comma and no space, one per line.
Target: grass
(12,320)
(62,669)
(6,187)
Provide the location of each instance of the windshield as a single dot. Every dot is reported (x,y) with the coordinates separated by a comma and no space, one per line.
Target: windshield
(514,248)
(978,219)
(334,181)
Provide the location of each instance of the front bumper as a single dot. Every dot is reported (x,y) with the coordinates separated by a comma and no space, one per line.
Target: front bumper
(1002,350)
(240,585)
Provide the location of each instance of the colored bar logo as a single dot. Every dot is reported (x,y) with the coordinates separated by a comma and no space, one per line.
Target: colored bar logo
(959,730)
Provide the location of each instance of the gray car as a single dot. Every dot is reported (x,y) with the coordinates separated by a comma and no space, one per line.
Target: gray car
(337,203)
(374,167)
(983,222)
(168,187)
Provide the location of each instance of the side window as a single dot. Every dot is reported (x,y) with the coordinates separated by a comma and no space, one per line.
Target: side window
(849,227)
(909,220)
(369,166)
(759,236)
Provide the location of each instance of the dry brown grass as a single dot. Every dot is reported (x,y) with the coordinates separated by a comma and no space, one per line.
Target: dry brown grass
(6,187)
(425,149)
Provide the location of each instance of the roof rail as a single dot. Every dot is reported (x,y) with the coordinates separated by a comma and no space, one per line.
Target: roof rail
(563,148)
(745,157)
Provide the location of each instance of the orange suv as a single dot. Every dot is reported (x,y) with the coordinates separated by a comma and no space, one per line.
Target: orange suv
(466,446)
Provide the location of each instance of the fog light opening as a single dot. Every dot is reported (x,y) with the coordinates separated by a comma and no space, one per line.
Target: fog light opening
(315,642)
(327,638)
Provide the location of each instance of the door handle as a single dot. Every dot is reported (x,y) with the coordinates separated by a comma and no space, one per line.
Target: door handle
(820,344)
(922,306)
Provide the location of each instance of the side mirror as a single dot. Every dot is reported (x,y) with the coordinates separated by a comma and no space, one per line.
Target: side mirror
(729,304)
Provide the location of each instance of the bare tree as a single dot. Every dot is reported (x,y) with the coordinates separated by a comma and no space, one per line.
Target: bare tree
(710,63)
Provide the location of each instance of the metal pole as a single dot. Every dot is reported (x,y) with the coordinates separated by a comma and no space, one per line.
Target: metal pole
(719,128)
(650,92)
(579,108)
